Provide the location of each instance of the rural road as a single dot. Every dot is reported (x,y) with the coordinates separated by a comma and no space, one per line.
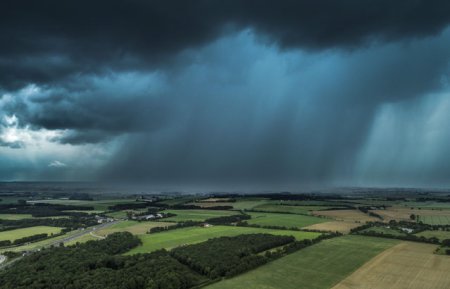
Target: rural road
(75,236)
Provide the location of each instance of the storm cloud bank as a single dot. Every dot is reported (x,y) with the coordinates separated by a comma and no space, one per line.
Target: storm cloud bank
(226,91)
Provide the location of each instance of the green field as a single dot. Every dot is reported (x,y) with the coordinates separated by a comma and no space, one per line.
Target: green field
(248,204)
(435,220)
(25,232)
(320,266)
(196,215)
(384,230)
(191,235)
(99,205)
(15,216)
(286,220)
(441,235)
(277,208)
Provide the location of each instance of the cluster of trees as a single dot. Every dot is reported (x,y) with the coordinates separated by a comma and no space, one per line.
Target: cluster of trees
(175,226)
(42,209)
(28,239)
(399,225)
(228,256)
(96,264)
(81,197)
(246,224)
(195,207)
(129,206)
(69,224)
(228,219)
(298,245)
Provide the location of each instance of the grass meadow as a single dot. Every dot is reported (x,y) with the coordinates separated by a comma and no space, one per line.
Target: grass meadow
(286,220)
(320,266)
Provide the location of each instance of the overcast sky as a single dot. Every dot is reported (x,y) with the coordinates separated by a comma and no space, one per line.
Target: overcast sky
(334,93)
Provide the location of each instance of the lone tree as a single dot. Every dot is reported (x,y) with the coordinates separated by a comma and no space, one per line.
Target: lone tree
(412,217)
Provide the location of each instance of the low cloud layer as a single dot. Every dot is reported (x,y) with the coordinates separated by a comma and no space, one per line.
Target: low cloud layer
(226,92)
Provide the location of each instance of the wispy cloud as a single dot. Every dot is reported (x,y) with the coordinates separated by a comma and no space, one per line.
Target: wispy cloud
(57,164)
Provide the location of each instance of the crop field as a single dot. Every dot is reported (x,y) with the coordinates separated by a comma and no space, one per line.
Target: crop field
(248,204)
(278,208)
(405,266)
(435,220)
(441,235)
(438,216)
(15,216)
(426,205)
(123,214)
(25,232)
(211,204)
(196,215)
(347,215)
(191,235)
(134,227)
(320,266)
(334,226)
(286,220)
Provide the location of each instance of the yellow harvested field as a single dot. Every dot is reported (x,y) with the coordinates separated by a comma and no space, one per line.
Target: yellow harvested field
(346,215)
(405,213)
(407,265)
(334,226)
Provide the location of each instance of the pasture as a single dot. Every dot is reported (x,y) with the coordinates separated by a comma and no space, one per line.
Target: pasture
(25,232)
(316,267)
(192,235)
(334,226)
(286,220)
(405,266)
(196,215)
(346,215)
(134,227)
(435,219)
(441,235)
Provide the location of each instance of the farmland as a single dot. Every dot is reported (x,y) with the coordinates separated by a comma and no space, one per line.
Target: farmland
(405,266)
(334,226)
(191,235)
(346,215)
(435,219)
(134,227)
(317,267)
(196,215)
(25,232)
(285,220)
(276,208)
(98,205)
(441,235)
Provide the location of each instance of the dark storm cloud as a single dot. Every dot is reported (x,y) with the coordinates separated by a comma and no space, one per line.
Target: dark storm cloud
(44,41)
(218,90)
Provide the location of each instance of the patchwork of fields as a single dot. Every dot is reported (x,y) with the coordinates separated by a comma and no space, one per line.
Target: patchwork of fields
(134,227)
(405,266)
(286,220)
(191,235)
(317,267)
(346,215)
